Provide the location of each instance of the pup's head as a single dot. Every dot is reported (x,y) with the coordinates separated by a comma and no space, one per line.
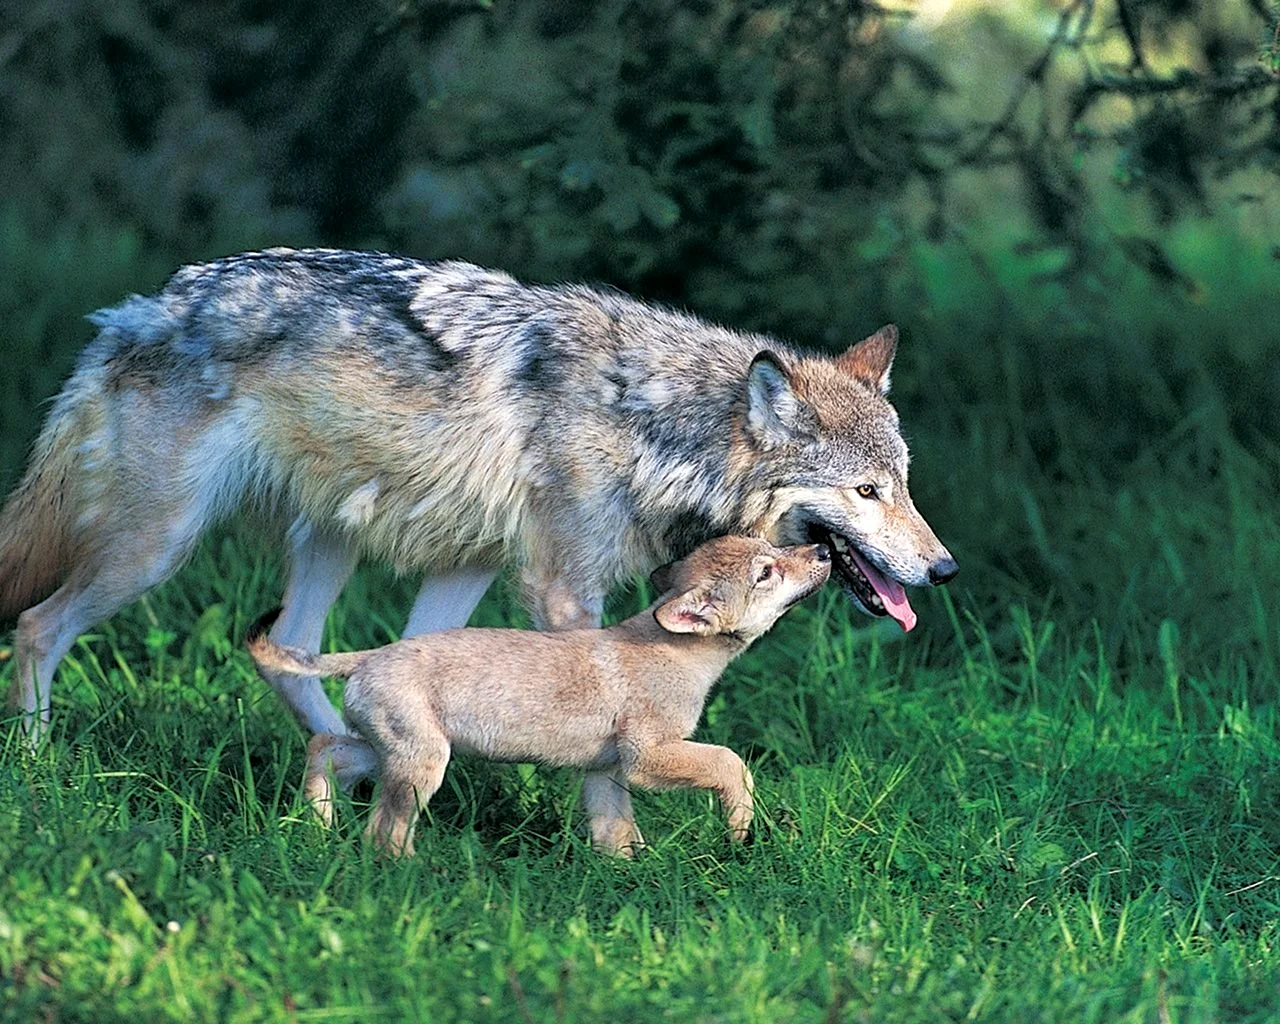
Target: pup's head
(824,428)
(737,586)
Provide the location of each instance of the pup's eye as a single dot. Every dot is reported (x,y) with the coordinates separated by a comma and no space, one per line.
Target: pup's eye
(765,572)
(867,490)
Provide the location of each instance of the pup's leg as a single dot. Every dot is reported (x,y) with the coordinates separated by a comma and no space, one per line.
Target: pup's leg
(319,566)
(412,763)
(686,765)
(446,602)
(443,602)
(558,604)
(607,801)
(330,758)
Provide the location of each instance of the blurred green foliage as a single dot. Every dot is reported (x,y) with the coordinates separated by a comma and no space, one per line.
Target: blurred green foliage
(1070,207)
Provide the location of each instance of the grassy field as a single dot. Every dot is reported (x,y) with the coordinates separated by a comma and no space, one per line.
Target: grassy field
(987,820)
(1054,801)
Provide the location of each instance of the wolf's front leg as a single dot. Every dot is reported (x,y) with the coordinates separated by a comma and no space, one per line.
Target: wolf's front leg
(559,605)
(446,601)
(319,566)
(685,765)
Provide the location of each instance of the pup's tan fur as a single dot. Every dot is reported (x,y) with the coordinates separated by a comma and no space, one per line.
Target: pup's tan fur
(623,698)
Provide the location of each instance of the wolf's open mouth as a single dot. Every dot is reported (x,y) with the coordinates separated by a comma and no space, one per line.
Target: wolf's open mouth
(874,592)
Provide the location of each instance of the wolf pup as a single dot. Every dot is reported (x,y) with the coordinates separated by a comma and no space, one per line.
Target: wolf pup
(621,698)
(446,419)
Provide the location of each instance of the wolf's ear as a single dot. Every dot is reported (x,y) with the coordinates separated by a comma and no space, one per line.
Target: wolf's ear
(871,359)
(663,578)
(693,612)
(775,413)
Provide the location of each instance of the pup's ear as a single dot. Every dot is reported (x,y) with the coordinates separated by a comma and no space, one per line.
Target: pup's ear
(775,413)
(663,578)
(689,613)
(871,359)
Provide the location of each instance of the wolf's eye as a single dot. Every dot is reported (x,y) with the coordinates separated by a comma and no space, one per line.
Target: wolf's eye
(866,490)
(765,572)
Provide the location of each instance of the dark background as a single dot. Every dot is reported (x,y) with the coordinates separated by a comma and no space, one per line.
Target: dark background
(1070,209)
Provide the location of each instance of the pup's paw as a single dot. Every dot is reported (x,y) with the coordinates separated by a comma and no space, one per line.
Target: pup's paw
(317,784)
(391,839)
(618,837)
(317,791)
(740,822)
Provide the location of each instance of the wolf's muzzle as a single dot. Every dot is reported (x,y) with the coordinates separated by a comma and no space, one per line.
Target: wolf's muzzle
(943,571)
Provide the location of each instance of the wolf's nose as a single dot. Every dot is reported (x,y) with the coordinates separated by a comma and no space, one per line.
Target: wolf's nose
(943,571)
(822,553)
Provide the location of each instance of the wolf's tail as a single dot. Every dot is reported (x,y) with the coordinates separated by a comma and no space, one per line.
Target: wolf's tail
(38,544)
(270,656)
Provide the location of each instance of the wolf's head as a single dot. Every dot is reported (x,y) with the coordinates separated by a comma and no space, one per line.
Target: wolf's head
(836,465)
(737,586)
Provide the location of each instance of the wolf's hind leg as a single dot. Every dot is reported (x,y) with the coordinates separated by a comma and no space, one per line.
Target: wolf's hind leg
(123,569)
(319,566)
(44,635)
(446,602)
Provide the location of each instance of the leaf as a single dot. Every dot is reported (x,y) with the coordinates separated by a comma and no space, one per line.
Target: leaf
(659,209)
(620,210)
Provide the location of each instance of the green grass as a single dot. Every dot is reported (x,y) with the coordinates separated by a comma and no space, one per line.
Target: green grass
(1054,801)
(948,830)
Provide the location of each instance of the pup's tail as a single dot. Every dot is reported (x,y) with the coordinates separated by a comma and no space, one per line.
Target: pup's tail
(270,656)
(38,543)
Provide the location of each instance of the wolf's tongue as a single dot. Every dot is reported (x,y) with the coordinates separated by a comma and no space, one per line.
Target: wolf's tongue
(890,591)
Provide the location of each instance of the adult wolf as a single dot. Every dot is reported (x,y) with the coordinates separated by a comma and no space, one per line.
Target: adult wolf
(447,419)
